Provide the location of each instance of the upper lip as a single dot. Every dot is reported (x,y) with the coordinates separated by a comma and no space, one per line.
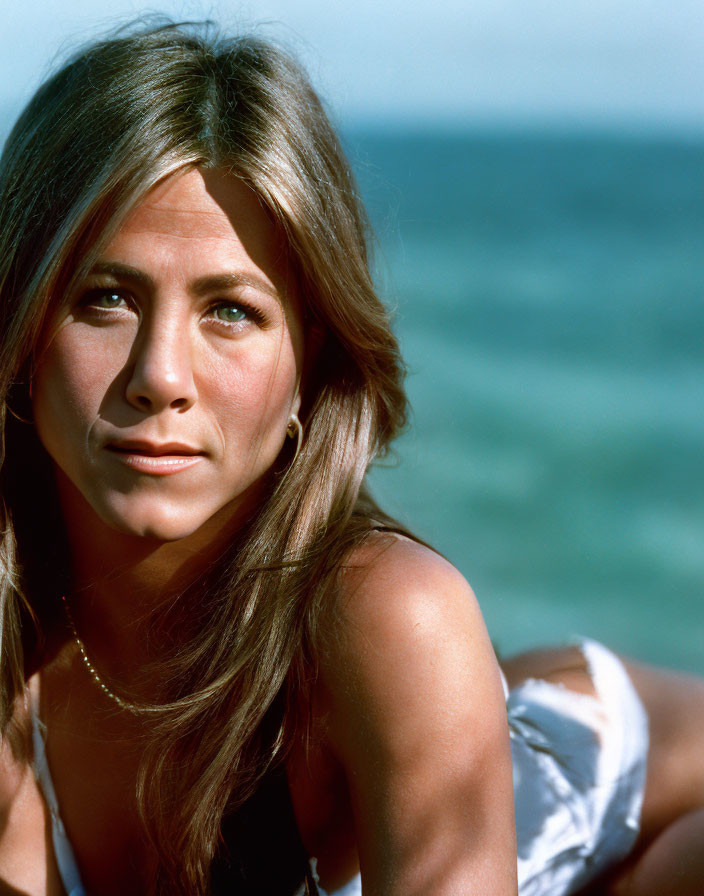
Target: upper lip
(153,449)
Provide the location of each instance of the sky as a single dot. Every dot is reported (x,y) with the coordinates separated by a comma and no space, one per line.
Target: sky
(452,63)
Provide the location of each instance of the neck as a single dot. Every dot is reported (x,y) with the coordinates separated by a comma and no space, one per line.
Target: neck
(120,582)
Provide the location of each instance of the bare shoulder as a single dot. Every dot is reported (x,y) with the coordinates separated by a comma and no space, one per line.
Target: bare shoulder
(409,643)
(400,595)
(394,581)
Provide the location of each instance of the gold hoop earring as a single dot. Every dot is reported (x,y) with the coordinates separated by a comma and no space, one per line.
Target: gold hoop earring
(17,416)
(295,429)
(23,399)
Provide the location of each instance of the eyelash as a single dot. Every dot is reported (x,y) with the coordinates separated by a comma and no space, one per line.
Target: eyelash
(90,298)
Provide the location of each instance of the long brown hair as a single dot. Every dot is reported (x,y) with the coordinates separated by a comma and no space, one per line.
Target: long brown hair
(116,119)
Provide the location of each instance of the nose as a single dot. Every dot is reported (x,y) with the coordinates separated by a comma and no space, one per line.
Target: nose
(161,372)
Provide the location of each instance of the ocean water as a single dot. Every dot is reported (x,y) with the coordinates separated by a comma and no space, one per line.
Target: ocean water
(549,294)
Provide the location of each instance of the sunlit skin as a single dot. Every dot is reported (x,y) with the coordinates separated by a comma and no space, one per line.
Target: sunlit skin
(164,388)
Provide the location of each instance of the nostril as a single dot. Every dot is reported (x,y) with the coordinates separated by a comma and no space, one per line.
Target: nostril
(179,403)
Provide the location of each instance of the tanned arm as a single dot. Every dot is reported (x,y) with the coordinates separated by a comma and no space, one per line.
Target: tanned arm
(417,718)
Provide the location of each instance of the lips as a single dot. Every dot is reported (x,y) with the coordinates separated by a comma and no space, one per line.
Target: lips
(151,449)
(156,459)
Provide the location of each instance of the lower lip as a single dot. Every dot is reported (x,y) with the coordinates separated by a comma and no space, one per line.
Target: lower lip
(161,465)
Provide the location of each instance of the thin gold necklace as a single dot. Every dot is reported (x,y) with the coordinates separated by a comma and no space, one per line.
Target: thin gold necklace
(123,704)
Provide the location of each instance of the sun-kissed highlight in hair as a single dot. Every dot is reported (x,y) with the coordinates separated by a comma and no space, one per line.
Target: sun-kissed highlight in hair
(118,118)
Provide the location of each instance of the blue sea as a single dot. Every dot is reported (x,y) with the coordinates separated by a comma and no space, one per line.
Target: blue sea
(549,296)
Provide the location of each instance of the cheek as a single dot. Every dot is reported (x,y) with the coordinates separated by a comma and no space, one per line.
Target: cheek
(69,386)
(252,395)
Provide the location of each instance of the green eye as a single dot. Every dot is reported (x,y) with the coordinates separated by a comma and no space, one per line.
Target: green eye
(105,299)
(230,314)
(108,299)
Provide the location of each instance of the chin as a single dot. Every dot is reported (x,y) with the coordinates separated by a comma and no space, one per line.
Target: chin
(160,524)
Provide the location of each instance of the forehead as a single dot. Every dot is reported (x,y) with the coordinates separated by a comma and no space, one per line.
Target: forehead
(209,212)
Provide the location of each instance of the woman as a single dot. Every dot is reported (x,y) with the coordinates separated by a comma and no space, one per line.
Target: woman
(220,659)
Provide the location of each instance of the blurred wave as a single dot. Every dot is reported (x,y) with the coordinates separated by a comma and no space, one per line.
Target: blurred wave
(550,296)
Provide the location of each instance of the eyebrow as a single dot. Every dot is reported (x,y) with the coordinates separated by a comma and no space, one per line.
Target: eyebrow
(200,286)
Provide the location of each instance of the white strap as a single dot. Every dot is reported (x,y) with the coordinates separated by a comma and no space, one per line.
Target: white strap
(65,858)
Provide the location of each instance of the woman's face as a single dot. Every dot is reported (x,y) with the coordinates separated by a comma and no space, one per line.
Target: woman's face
(164,388)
